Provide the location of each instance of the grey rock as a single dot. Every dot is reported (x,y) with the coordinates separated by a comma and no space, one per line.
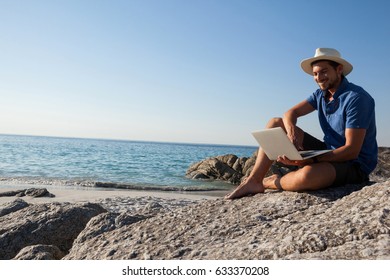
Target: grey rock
(48,224)
(12,193)
(38,192)
(106,222)
(40,252)
(33,192)
(351,222)
(229,168)
(382,171)
(218,168)
(13,206)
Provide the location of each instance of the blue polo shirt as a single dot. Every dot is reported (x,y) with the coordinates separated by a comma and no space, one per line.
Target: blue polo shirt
(351,107)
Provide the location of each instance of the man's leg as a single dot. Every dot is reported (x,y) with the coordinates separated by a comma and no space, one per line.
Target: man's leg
(254,183)
(310,177)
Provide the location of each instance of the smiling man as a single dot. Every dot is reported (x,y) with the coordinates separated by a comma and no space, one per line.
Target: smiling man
(346,113)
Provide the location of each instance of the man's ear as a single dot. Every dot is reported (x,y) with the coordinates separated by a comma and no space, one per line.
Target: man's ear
(340,69)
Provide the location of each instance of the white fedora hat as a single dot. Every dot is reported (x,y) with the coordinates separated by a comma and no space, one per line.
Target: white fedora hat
(326,54)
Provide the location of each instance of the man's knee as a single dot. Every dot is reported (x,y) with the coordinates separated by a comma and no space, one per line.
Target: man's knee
(312,177)
(275,122)
(295,181)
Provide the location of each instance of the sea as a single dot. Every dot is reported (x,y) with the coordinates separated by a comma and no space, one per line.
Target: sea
(116,164)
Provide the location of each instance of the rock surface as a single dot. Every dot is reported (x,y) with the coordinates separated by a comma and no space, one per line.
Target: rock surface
(229,168)
(33,192)
(343,223)
(55,224)
(40,252)
(382,171)
(349,222)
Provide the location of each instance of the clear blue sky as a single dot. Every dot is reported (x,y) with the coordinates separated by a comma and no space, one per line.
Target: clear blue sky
(179,71)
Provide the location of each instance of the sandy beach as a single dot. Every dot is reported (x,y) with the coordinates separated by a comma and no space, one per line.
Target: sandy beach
(113,200)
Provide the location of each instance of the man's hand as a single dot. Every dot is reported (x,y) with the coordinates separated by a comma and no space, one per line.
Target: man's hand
(285,160)
(295,134)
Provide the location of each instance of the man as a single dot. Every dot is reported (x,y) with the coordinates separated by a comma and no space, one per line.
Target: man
(347,118)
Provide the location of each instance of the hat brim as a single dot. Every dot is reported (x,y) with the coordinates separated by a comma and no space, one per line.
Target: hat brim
(306,64)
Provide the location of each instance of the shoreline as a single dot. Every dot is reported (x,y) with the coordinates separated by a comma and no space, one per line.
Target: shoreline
(91,194)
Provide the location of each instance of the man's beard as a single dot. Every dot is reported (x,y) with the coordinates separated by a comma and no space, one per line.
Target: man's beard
(328,84)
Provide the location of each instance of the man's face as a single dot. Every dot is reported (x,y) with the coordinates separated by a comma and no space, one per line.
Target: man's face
(326,76)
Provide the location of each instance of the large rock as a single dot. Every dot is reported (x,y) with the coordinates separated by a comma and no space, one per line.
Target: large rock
(382,170)
(228,168)
(13,206)
(33,192)
(40,252)
(342,223)
(218,168)
(47,224)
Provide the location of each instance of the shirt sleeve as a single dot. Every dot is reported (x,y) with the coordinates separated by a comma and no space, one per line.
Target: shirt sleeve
(360,112)
(312,99)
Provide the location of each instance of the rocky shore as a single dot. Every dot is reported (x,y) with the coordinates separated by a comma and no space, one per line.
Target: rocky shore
(350,222)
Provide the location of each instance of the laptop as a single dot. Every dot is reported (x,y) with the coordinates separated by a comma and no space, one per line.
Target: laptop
(274,142)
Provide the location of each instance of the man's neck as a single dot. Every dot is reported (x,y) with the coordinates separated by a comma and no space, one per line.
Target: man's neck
(333,90)
(328,96)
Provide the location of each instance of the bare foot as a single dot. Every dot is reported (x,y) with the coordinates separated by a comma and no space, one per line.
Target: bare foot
(248,187)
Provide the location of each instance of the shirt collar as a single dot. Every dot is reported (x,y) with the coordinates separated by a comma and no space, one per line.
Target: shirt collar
(342,88)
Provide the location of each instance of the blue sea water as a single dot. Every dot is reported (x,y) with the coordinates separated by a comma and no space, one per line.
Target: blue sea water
(73,161)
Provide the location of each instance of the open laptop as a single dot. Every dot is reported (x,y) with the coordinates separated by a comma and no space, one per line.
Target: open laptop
(274,142)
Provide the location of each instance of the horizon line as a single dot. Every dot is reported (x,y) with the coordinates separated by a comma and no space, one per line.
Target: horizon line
(128,140)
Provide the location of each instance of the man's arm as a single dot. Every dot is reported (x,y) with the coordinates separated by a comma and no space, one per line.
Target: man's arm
(290,119)
(351,149)
(353,144)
